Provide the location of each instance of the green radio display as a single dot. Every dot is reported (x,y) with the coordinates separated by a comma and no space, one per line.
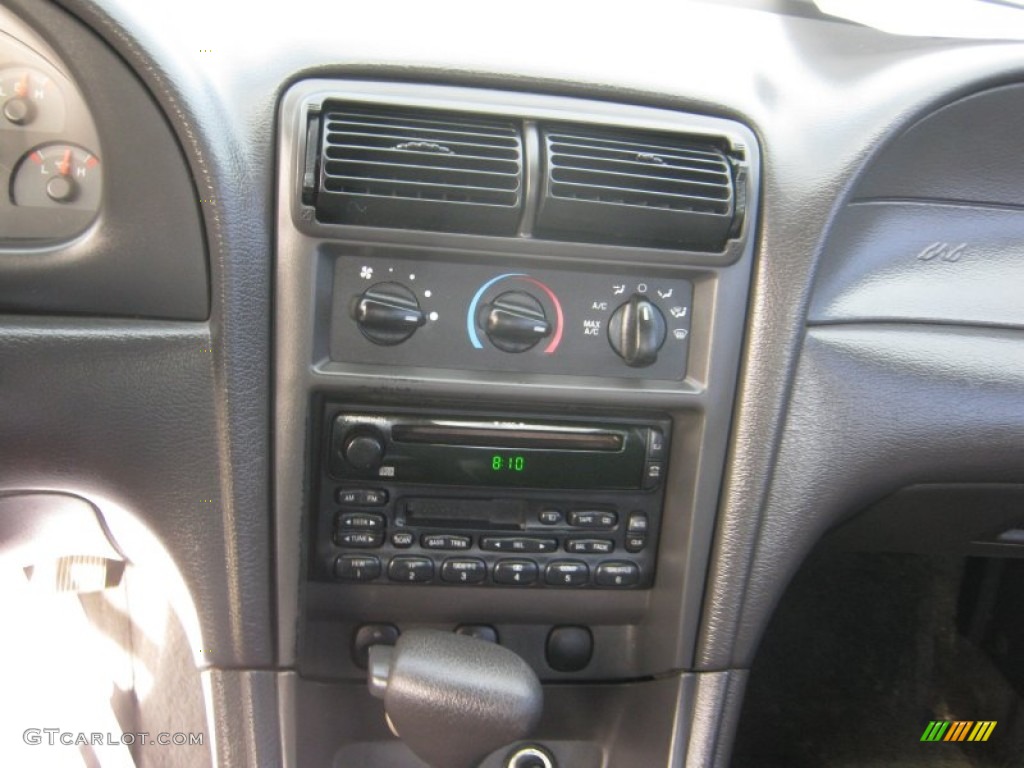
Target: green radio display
(508,463)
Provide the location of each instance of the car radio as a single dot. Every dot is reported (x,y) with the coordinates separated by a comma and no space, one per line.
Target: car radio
(461,499)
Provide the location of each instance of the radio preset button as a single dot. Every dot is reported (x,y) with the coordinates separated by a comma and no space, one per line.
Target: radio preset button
(617,574)
(362,497)
(635,542)
(518,544)
(357,567)
(593,519)
(360,521)
(515,572)
(445,541)
(550,516)
(653,472)
(567,573)
(463,571)
(402,539)
(362,539)
(412,570)
(590,546)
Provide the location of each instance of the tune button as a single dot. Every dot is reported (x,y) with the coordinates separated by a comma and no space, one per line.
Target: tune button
(469,571)
(361,539)
(412,570)
(617,574)
(515,572)
(567,573)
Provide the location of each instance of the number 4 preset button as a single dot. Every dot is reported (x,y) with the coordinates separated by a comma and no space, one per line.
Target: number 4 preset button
(515,572)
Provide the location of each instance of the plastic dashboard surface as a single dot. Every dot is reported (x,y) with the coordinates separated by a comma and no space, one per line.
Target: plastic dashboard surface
(825,100)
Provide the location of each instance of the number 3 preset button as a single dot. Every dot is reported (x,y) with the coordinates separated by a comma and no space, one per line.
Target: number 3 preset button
(470,571)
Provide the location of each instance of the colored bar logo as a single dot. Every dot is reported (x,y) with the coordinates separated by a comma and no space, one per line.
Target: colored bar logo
(958,730)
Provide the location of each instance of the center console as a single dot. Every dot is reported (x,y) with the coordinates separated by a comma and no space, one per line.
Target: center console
(508,331)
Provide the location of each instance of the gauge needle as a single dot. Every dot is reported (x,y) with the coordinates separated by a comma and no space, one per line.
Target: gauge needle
(21,89)
(64,166)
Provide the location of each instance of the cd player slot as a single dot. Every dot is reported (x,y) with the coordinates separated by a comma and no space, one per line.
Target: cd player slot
(483,514)
(512,437)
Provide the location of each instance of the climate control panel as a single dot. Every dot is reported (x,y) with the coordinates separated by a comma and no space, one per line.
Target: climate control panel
(474,316)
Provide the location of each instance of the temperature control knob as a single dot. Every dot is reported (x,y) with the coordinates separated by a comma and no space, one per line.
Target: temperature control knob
(388,313)
(636,331)
(515,321)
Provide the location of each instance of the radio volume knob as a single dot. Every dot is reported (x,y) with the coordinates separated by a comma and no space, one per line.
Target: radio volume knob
(515,321)
(388,313)
(363,450)
(636,331)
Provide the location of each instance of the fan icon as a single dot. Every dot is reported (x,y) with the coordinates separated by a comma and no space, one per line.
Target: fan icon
(366,273)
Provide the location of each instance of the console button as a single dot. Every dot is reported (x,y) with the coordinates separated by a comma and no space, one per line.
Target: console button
(590,546)
(361,539)
(463,571)
(362,497)
(617,574)
(411,570)
(655,445)
(550,516)
(569,649)
(635,542)
(445,541)
(517,572)
(402,539)
(653,474)
(360,521)
(567,573)
(593,519)
(357,567)
(518,544)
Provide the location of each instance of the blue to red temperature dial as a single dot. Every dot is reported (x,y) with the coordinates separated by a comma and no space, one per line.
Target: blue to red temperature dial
(515,320)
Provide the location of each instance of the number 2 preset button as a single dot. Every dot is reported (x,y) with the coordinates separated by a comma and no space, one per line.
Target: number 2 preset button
(411,570)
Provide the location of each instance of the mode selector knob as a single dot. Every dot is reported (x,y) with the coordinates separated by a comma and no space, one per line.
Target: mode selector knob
(388,313)
(636,331)
(515,321)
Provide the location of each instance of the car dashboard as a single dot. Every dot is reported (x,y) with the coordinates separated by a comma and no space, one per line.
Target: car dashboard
(603,340)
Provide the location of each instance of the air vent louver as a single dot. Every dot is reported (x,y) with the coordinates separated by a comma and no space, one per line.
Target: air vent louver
(645,189)
(419,169)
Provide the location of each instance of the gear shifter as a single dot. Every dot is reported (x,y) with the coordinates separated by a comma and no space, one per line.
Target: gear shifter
(454,699)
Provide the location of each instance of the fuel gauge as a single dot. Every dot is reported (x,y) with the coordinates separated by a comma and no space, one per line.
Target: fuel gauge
(28,98)
(58,175)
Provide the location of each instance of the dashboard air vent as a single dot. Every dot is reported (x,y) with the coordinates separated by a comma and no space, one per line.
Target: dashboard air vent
(643,189)
(419,169)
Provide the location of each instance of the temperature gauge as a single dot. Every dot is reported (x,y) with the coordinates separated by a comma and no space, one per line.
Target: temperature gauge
(58,175)
(28,98)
